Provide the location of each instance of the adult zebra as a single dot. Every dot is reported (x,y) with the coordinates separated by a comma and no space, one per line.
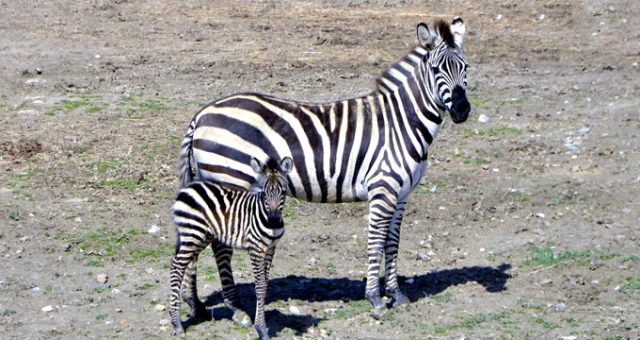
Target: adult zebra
(368,148)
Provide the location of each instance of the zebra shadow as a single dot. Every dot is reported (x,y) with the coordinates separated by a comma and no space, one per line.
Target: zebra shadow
(295,287)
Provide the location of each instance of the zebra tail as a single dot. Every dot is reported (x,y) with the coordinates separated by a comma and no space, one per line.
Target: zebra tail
(185,164)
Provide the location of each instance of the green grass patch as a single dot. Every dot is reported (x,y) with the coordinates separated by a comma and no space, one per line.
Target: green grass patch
(549,256)
(102,242)
(442,297)
(631,286)
(490,132)
(163,250)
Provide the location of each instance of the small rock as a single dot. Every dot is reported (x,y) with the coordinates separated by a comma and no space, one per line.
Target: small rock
(483,119)
(124,323)
(312,262)
(540,215)
(164,322)
(47,309)
(27,112)
(434,189)
(561,306)
(24,239)
(294,310)
(159,307)
(585,130)
(569,337)
(410,281)
(102,278)
(154,229)
(36,289)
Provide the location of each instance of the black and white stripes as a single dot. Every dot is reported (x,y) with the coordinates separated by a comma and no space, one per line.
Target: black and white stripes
(371,148)
(206,213)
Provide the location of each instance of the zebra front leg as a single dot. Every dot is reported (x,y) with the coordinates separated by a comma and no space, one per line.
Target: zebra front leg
(190,291)
(381,210)
(391,258)
(223,254)
(259,262)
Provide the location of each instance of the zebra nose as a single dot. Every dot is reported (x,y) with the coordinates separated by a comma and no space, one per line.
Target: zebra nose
(460,106)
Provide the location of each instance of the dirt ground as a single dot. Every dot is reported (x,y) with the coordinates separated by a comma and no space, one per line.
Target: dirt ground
(526,226)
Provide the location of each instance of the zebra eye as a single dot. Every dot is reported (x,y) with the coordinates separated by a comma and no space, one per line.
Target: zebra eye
(435,69)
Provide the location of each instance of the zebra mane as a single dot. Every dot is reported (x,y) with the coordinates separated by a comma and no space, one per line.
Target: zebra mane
(444,31)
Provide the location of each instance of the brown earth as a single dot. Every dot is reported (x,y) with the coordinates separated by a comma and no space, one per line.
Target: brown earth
(526,226)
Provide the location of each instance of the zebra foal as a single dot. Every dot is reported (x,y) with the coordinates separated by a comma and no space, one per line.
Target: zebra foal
(208,213)
(371,148)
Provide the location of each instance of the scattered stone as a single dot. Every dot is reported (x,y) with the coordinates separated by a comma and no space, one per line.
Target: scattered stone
(561,306)
(154,229)
(24,239)
(483,118)
(585,130)
(312,262)
(36,289)
(434,189)
(410,281)
(28,112)
(164,322)
(294,310)
(569,337)
(102,278)
(160,307)
(47,309)
(540,215)
(124,323)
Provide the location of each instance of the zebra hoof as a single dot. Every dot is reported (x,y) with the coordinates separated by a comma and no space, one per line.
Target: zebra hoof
(178,329)
(399,299)
(242,319)
(263,334)
(379,313)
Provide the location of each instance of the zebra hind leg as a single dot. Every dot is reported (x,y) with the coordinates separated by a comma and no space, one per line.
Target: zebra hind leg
(223,254)
(176,274)
(190,287)
(391,256)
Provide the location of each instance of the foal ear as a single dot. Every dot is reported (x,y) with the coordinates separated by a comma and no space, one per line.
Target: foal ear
(458,29)
(257,166)
(425,37)
(286,165)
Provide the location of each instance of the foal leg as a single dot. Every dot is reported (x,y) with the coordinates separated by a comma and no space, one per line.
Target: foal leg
(258,260)
(223,254)
(190,291)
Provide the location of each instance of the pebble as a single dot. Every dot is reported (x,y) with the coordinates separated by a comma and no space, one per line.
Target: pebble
(154,229)
(410,281)
(24,239)
(164,322)
(312,262)
(160,307)
(47,309)
(434,189)
(27,112)
(102,278)
(483,119)
(294,310)
(36,289)
(540,215)
(561,306)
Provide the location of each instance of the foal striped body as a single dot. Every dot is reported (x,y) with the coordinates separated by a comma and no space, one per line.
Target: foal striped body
(208,213)
(371,148)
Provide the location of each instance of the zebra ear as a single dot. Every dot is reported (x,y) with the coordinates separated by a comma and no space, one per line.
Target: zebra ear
(286,165)
(257,166)
(425,37)
(458,29)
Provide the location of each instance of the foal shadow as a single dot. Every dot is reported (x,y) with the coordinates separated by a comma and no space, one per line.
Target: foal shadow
(295,287)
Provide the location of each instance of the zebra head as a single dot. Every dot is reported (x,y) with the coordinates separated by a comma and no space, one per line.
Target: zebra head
(446,66)
(271,187)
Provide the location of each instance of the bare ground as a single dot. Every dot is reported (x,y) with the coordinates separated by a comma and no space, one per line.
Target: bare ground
(526,226)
